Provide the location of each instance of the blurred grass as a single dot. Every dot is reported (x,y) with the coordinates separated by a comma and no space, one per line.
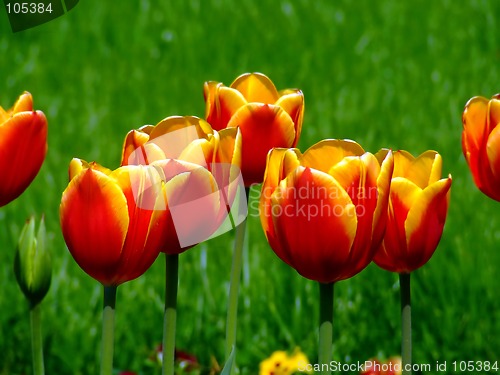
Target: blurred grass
(387,74)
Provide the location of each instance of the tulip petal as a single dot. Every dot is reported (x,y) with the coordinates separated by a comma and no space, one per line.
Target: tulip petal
(195,204)
(218,113)
(358,177)
(94,221)
(143,189)
(493,152)
(394,251)
(293,104)
(256,87)
(131,147)
(474,120)
(253,119)
(4,115)
(226,167)
(280,163)
(328,152)
(200,151)
(315,224)
(175,133)
(383,192)
(210,89)
(425,169)
(23,145)
(493,143)
(23,104)
(425,222)
(493,119)
(226,102)
(402,163)
(229,148)
(77,165)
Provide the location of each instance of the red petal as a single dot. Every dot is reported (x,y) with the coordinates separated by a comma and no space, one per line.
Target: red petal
(315,224)
(94,222)
(23,145)
(262,127)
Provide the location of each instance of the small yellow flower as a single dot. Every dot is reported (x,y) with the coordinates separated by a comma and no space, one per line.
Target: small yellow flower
(280,363)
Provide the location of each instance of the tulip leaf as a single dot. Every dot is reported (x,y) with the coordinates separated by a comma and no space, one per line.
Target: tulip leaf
(229,364)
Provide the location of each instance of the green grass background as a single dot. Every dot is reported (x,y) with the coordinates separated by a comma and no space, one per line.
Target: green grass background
(385,73)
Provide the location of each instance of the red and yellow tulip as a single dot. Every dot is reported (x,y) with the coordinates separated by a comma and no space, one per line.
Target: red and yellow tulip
(418,205)
(267,118)
(23,145)
(481,143)
(191,139)
(116,222)
(324,211)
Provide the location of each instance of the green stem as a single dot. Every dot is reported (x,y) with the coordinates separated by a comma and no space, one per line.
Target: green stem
(108,330)
(170,317)
(36,339)
(234,287)
(325,327)
(404,282)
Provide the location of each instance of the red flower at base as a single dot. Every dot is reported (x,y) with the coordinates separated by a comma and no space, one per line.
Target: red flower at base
(391,367)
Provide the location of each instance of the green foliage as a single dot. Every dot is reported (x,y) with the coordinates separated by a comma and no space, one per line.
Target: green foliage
(385,73)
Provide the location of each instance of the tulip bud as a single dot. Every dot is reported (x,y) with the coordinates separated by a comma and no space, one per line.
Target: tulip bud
(32,264)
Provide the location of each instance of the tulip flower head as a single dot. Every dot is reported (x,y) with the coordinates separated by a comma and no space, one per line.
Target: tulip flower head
(193,140)
(323,211)
(23,145)
(418,205)
(481,143)
(109,235)
(116,222)
(33,264)
(266,117)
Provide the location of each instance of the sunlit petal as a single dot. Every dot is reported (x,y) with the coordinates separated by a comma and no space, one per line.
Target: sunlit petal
(425,222)
(94,222)
(24,103)
(329,152)
(256,87)
(425,169)
(383,191)
(226,103)
(293,104)
(270,120)
(402,163)
(394,252)
(474,120)
(133,141)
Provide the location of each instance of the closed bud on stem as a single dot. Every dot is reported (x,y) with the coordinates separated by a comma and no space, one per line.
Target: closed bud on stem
(33,264)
